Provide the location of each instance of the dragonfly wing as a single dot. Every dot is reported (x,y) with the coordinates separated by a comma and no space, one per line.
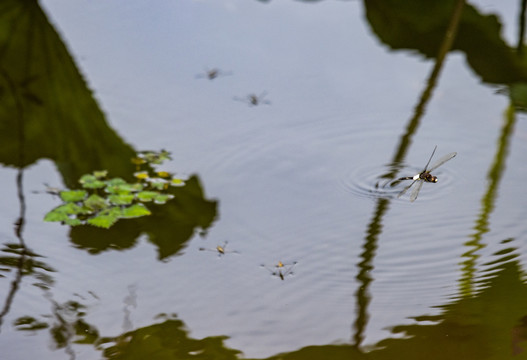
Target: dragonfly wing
(415,191)
(406,189)
(441,161)
(431,156)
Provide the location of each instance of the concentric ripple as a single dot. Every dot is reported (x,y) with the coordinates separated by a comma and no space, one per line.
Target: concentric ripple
(376,182)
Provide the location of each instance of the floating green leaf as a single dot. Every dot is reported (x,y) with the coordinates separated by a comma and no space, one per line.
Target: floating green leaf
(119,186)
(158,183)
(106,218)
(73,195)
(90,181)
(177,182)
(95,203)
(136,210)
(63,212)
(100,174)
(163,198)
(54,215)
(146,196)
(121,199)
(155,157)
(72,222)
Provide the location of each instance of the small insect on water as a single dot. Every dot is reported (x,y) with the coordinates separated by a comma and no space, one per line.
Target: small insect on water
(280,269)
(425,175)
(220,249)
(54,191)
(254,100)
(212,74)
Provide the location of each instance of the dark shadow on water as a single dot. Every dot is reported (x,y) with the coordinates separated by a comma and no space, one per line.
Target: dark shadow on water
(48,112)
(59,119)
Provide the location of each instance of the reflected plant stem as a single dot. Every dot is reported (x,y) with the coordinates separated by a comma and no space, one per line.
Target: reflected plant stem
(374,228)
(365,266)
(521,29)
(426,95)
(19,224)
(64,331)
(487,205)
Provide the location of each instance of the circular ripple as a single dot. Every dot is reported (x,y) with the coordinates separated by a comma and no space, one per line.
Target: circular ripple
(376,182)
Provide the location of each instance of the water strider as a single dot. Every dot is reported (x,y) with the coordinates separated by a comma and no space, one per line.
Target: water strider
(220,249)
(425,175)
(281,270)
(254,100)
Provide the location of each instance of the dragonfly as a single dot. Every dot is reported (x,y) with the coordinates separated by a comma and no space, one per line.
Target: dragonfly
(280,269)
(220,249)
(425,175)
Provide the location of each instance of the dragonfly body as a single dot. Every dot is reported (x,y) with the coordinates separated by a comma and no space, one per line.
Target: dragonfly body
(425,175)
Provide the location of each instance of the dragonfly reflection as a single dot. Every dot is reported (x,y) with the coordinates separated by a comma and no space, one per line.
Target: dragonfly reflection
(425,175)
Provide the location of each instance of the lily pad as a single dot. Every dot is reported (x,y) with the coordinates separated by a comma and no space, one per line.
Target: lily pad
(163,198)
(63,212)
(146,196)
(73,195)
(106,218)
(136,210)
(121,199)
(177,182)
(90,181)
(95,203)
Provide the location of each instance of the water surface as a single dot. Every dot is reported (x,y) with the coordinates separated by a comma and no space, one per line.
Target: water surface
(349,105)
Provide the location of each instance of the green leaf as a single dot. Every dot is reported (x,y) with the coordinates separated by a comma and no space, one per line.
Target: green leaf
(100,174)
(106,218)
(72,222)
(68,209)
(163,198)
(158,183)
(177,182)
(63,212)
(154,157)
(121,199)
(73,195)
(119,186)
(90,181)
(147,195)
(54,215)
(116,182)
(95,203)
(134,211)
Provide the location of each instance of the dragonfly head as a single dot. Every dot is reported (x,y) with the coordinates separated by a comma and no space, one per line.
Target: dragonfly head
(433,179)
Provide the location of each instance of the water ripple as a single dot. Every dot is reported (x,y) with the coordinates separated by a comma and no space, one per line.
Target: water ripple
(371,182)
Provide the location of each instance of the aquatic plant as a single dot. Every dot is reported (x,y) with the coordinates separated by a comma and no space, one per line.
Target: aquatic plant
(103,201)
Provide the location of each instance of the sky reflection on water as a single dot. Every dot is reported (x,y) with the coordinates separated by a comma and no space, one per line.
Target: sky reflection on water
(289,181)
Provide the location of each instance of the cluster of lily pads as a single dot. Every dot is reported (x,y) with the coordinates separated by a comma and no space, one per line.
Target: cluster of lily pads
(102,202)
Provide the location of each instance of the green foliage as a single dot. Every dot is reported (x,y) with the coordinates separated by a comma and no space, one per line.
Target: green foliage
(103,202)
(73,195)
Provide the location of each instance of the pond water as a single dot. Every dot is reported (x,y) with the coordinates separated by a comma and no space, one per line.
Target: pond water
(289,121)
